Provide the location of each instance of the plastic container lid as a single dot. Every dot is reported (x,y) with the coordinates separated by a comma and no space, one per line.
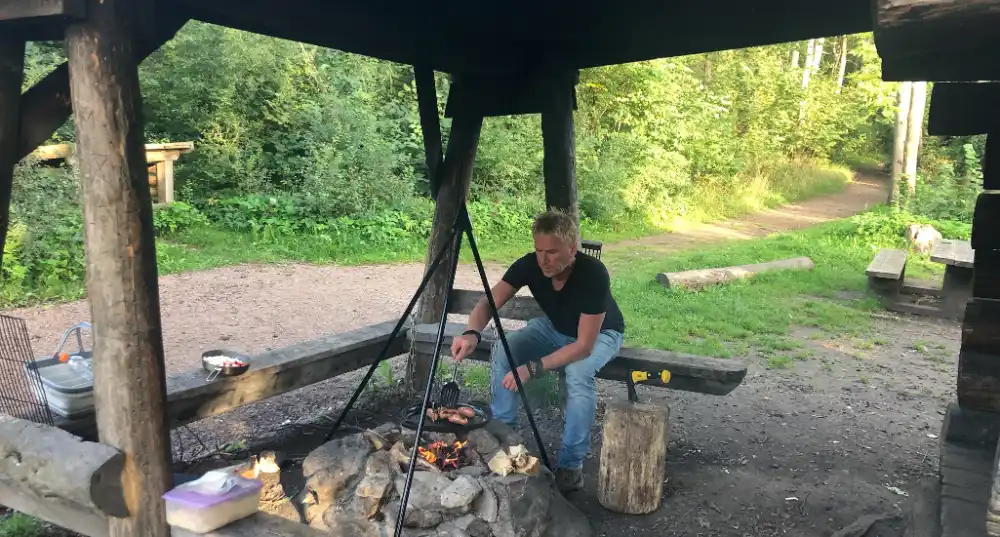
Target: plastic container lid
(197,500)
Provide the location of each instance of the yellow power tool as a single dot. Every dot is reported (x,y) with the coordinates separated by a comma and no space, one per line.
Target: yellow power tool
(643,376)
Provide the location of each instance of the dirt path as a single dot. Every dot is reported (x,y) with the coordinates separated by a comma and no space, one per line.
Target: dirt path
(866,191)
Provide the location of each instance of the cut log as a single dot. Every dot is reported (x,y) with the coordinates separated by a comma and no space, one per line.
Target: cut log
(129,378)
(47,462)
(633,458)
(696,279)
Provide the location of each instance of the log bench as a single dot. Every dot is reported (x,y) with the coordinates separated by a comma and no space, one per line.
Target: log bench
(885,273)
(887,280)
(688,372)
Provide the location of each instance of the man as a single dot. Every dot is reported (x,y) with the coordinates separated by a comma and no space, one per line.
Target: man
(581,331)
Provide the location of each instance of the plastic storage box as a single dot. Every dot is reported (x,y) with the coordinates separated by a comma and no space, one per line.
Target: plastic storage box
(202,513)
(69,393)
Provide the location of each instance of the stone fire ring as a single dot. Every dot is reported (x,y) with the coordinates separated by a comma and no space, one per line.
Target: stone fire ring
(354,483)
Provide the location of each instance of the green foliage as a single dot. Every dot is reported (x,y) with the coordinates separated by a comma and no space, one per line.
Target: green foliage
(20,525)
(177,216)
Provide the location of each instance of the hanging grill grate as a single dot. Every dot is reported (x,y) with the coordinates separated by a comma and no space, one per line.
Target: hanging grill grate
(21,393)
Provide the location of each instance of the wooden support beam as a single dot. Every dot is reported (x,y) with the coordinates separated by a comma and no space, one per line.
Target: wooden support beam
(47,104)
(559,162)
(959,109)
(11,77)
(22,10)
(456,175)
(430,123)
(48,462)
(129,378)
(991,161)
(508,94)
(936,40)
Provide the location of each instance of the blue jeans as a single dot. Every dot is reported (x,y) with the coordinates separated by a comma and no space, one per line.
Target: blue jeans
(535,341)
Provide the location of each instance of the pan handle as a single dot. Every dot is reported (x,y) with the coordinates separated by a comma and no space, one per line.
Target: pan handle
(214,374)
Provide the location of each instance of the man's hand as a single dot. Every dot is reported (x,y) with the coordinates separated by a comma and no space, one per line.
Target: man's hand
(462,346)
(522,372)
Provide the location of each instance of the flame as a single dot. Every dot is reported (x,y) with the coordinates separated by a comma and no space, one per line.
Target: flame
(442,454)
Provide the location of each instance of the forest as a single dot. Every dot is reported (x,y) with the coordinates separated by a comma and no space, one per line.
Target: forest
(310,154)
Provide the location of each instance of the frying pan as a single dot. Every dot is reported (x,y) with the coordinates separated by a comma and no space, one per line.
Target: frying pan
(211,361)
(411,415)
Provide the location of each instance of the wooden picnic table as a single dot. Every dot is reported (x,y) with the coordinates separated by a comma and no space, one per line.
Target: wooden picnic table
(958,258)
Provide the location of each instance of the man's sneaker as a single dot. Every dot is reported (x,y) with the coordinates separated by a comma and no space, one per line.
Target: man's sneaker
(569,479)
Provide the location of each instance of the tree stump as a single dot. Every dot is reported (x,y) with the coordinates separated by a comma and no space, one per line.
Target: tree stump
(633,457)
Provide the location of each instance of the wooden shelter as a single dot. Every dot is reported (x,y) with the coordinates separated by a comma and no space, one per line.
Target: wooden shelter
(505,58)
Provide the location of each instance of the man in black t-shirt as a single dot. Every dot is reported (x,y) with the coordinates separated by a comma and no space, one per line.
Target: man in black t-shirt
(581,331)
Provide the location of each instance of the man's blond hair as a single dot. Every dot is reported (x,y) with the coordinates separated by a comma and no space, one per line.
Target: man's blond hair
(558,223)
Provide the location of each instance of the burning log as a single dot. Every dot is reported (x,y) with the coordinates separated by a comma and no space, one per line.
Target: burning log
(633,458)
(515,460)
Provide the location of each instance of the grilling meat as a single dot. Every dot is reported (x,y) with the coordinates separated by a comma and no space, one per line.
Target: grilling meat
(458,415)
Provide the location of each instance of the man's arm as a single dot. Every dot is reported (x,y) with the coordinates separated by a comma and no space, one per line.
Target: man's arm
(481,314)
(587,331)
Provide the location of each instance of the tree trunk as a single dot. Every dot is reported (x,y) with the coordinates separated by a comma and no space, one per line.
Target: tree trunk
(11,77)
(129,377)
(633,457)
(795,59)
(904,94)
(696,279)
(914,131)
(818,54)
(430,123)
(453,189)
(843,63)
(806,72)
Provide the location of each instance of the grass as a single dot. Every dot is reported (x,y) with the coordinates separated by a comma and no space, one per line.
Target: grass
(20,525)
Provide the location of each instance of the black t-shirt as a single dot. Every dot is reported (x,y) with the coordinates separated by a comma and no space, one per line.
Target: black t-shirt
(587,291)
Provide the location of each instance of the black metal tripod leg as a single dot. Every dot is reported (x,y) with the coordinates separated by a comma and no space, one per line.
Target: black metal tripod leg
(405,496)
(455,232)
(503,338)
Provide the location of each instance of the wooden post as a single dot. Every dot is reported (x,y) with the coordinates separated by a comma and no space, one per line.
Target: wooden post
(165,180)
(559,162)
(633,458)
(430,123)
(455,177)
(129,377)
(11,77)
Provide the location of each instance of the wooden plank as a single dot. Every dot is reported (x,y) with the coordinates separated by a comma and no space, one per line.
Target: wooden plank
(154,152)
(915,286)
(559,141)
(19,10)
(11,77)
(953,252)
(991,161)
(979,381)
(985,222)
(888,263)
(50,463)
(129,378)
(520,308)
(927,32)
(966,433)
(993,503)
(503,94)
(688,372)
(46,105)
(962,109)
(456,176)
(190,398)
(430,124)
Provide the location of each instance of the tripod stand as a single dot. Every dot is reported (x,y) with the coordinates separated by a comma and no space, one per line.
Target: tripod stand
(462,225)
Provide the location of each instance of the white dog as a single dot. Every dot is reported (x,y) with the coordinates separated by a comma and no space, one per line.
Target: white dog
(923,237)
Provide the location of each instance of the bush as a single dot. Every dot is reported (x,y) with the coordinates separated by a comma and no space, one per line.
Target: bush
(177,216)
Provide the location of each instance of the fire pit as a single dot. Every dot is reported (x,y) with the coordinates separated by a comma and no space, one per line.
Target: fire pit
(436,422)
(353,485)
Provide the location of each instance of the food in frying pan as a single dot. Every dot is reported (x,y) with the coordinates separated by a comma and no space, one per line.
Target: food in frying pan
(458,415)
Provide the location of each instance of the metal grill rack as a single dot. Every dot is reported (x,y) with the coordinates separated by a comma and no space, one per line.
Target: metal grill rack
(21,393)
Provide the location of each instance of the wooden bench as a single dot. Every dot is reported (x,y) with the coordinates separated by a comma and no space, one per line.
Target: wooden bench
(958,258)
(886,273)
(688,372)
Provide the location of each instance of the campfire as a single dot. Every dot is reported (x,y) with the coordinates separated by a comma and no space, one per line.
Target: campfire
(444,455)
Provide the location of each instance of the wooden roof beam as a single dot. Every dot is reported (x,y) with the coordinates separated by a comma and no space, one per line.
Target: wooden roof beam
(21,10)
(46,105)
(937,40)
(962,109)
